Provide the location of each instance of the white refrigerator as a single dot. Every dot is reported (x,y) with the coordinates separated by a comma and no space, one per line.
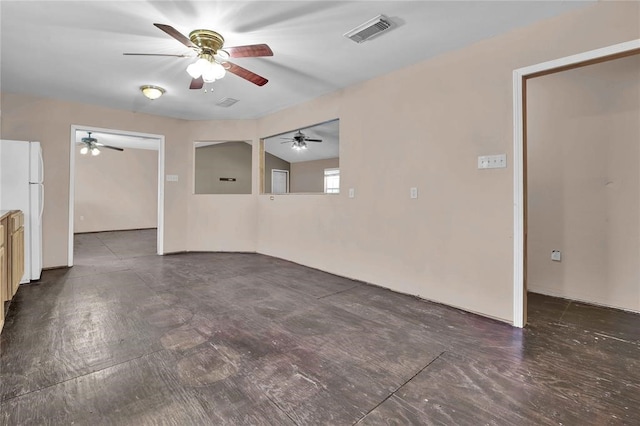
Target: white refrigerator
(21,188)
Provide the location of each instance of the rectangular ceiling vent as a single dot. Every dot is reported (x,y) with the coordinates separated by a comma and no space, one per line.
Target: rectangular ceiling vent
(369,29)
(226,102)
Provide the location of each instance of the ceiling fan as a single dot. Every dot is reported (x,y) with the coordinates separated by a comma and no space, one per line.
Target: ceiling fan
(299,141)
(212,63)
(92,144)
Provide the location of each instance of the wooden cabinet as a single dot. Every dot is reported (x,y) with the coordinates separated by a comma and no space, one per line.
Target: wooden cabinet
(5,286)
(16,222)
(11,256)
(3,272)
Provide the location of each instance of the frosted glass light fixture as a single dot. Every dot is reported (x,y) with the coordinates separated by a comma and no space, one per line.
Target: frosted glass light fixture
(206,67)
(152,92)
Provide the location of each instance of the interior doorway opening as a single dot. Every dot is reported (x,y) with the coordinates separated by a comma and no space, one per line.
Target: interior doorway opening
(520,78)
(106,204)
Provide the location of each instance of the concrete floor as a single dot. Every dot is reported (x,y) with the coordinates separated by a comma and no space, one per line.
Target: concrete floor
(127,337)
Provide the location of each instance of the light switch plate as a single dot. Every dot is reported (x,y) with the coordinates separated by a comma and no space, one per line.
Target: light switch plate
(352,192)
(172,178)
(413,192)
(498,161)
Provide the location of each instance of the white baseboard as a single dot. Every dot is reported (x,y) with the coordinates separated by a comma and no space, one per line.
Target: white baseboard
(582,299)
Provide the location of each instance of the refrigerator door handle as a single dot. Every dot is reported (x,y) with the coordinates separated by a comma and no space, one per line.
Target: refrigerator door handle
(41,194)
(41,171)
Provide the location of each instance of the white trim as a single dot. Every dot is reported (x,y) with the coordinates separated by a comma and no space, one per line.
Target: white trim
(160,229)
(518,202)
(72,192)
(518,159)
(72,174)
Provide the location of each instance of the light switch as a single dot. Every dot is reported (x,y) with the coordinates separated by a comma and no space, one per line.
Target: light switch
(172,178)
(352,192)
(492,161)
(413,192)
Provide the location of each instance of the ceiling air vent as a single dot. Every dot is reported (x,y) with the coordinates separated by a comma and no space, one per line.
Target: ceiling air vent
(226,102)
(369,29)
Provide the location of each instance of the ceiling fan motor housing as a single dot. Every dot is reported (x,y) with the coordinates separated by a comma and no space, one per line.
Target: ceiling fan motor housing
(209,41)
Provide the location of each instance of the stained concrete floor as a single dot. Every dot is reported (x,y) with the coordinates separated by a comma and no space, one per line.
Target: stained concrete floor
(127,337)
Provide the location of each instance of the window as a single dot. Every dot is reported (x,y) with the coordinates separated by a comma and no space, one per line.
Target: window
(332,181)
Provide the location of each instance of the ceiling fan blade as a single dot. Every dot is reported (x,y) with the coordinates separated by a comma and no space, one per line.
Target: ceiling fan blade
(246,74)
(312,140)
(289,141)
(252,50)
(196,83)
(176,34)
(111,147)
(155,54)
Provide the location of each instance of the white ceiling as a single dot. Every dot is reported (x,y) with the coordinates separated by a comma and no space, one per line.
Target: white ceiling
(280,145)
(73,50)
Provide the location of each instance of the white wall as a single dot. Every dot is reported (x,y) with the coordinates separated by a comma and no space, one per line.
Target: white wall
(116,190)
(583,160)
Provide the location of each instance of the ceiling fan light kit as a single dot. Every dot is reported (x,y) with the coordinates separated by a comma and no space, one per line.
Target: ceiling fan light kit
(207,68)
(299,141)
(91,146)
(152,92)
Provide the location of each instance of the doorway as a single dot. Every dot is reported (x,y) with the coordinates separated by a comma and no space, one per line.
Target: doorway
(279,181)
(109,142)
(520,77)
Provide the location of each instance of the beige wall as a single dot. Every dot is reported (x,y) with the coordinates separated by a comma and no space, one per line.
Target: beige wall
(116,190)
(224,222)
(308,176)
(49,121)
(584,183)
(454,244)
(223,160)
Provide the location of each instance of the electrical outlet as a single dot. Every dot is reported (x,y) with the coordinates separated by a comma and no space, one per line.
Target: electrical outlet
(556,255)
(172,178)
(413,192)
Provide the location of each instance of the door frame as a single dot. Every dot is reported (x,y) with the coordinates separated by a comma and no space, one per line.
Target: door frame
(279,171)
(72,179)
(520,77)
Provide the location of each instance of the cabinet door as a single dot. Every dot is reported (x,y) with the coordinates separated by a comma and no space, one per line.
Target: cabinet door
(17,259)
(3,275)
(5,271)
